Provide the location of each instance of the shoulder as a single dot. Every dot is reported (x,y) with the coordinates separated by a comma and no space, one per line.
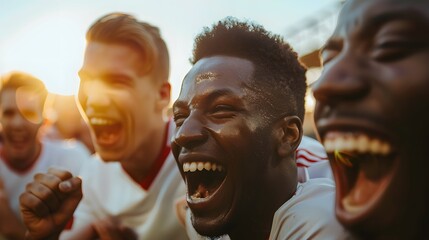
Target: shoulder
(64,155)
(309,214)
(67,148)
(311,148)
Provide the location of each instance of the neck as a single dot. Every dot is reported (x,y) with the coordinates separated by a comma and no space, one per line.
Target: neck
(22,164)
(257,227)
(257,223)
(140,163)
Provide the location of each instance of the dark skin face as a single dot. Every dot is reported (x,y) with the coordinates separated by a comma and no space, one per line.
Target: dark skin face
(371,115)
(231,154)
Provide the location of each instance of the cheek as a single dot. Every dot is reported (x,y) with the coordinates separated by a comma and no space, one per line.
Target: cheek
(82,97)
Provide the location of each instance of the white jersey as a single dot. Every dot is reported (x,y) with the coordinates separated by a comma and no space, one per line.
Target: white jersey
(309,214)
(109,192)
(65,155)
(311,160)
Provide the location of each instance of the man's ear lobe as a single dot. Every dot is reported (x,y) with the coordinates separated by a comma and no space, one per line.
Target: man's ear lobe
(289,135)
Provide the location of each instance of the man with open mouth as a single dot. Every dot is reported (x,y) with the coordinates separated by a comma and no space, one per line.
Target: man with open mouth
(372,117)
(130,187)
(23,151)
(238,123)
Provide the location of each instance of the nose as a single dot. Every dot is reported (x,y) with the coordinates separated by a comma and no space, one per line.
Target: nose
(191,133)
(93,94)
(344,78)
(18,121)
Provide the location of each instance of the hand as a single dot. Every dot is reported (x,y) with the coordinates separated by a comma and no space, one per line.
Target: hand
(48,203)
(107,229)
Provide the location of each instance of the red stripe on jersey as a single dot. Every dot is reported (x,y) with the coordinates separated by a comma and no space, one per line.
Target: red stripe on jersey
(303,157)
(69,224)
(147,181)
(303,151)
(298,164)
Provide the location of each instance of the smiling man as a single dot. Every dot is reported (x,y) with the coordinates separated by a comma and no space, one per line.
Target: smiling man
(371,115)
(22,152)
(238,125)
(130,188)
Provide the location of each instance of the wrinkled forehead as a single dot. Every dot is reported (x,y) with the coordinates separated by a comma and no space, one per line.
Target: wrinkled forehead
(357,14)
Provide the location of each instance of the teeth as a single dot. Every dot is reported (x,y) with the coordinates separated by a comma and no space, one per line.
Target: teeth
(100,121)
(193,167)
(207,166)
(361,143)
(186,167)
(349,207)
(200,166)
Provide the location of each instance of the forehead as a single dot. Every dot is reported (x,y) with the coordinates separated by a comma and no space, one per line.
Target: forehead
(218,72)
(111,57)
(361,14)
(21,98)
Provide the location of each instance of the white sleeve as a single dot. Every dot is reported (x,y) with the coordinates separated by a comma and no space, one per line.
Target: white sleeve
(84,214)
(309,214)
(312,160)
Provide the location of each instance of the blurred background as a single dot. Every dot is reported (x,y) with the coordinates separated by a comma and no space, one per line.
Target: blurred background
(46,38)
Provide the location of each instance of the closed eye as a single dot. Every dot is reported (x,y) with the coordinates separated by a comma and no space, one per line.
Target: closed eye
(223,111)
(389,51)
(179,118)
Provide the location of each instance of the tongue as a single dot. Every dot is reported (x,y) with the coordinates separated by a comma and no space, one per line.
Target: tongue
(363,190)
(201,192)
(107,137)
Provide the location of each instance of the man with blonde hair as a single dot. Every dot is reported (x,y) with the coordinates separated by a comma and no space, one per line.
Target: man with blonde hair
(129,189)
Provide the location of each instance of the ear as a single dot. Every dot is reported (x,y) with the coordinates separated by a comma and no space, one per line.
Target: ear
(289,133)
(163,95)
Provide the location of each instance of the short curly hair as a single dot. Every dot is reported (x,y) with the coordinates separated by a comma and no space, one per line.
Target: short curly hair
(278,74)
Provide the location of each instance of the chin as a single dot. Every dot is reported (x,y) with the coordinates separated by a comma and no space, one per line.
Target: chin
(210,227)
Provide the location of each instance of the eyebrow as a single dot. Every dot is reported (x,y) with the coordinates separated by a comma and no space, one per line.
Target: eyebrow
(408,15)
(211,96)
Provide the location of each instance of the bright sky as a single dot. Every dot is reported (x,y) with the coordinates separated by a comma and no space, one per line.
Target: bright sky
(46,37)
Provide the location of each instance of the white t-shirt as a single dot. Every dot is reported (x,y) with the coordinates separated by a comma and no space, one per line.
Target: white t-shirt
(109,192)
(58,154)
(311,160)
(309,214)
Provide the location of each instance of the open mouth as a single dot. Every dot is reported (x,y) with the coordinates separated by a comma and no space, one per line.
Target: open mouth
(18,139)
(203,179)
(107,131)
(363,166)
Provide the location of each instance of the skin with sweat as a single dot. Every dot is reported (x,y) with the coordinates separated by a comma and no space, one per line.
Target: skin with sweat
(371,116)
(225,146)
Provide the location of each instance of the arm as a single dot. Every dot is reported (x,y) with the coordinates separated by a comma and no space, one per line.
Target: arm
(48,203)
(10,226)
